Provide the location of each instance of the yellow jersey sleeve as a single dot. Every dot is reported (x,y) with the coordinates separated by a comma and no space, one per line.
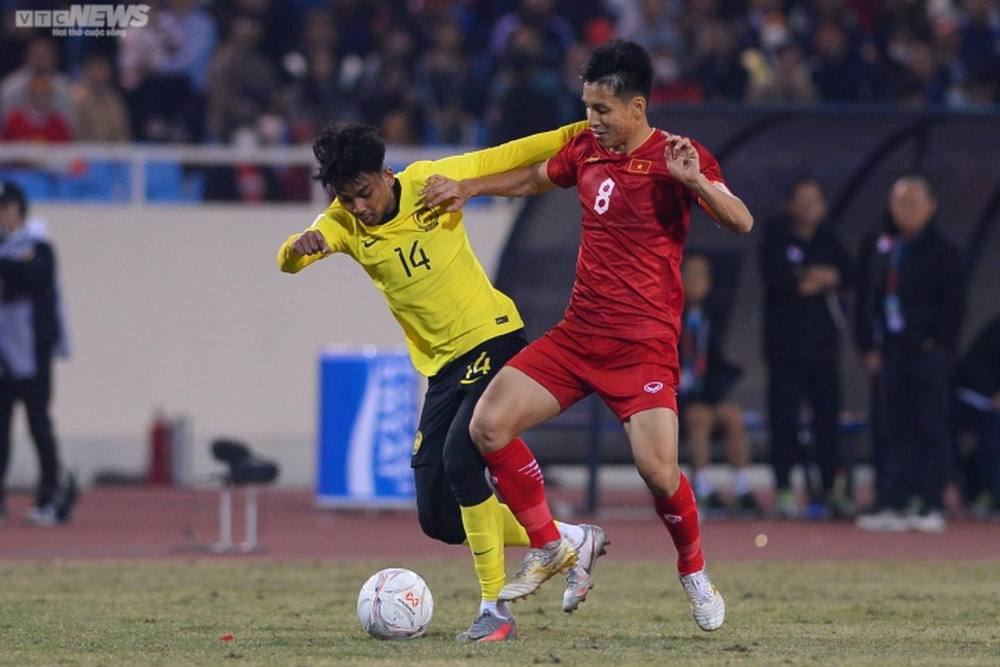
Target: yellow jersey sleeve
(511,155)
(290,261)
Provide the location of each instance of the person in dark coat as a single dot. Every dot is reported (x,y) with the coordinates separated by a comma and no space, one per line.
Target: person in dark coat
(805,268)
(911,301)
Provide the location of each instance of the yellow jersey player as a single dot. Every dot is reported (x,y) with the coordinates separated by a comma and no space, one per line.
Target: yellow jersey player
(459,330)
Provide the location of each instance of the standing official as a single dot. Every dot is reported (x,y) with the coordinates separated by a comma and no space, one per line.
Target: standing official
(31,334)
(805,267)
(911,300)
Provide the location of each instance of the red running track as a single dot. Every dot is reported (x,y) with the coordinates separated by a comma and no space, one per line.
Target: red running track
(155,523)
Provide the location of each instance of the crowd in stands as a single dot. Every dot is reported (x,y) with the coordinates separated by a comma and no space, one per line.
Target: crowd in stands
(272,72)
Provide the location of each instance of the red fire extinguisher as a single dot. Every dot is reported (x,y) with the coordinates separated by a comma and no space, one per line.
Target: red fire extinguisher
(160,450)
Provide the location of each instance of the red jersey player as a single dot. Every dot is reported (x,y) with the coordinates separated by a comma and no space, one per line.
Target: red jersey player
(619,335)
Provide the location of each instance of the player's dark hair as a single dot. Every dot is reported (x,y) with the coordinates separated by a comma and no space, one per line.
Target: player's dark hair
(622,66)
(345,152)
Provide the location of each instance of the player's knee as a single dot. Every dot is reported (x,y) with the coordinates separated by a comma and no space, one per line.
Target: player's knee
(486,432)
(661,478)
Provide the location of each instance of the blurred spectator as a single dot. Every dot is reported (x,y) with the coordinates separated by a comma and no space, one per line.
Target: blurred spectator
(36,118)
(920,78)
(805,267)
(241,82)
(806,18)
(164,68)
(14,41)
(387,96)
(323,86)
(718,67)
(41,58)
(980,34)
(982,88)
(978,409)
(911,301)
(838,71)
(697,14)
(556,34)
(446,80)
(655,27)
(101,113)
(319,96)
(702,395)
(357,22)
(244,109)
(670,84)
(527,95)
(764,26)
(572,84)
(789,81)
(281,24)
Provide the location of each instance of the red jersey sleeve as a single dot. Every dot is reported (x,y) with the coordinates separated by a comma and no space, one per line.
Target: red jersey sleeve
(562,168)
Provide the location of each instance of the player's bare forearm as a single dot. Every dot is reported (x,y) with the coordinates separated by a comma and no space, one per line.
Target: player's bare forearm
(726,209)
(515,183)
(684,164)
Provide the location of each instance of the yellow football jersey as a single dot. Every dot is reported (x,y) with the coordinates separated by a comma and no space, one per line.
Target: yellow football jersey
(422,261)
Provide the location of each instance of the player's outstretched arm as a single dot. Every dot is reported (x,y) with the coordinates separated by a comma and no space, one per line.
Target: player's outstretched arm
(515,183)
(723,206)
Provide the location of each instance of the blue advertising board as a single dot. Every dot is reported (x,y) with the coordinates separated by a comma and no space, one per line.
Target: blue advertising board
(368,408)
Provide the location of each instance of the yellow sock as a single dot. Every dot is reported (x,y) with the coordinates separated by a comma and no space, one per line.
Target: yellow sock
(514,534)
(484,530)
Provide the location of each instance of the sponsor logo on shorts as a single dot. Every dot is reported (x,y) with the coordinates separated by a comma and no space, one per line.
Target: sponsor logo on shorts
(653,387)
(419,440)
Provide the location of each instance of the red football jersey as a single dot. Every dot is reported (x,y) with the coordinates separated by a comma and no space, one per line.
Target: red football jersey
(635,223)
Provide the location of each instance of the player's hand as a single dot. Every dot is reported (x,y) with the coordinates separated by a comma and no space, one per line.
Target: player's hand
(682,158)
(311,242)
(441,189)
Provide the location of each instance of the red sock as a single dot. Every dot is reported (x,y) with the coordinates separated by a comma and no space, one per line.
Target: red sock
(519,480)
(679,513)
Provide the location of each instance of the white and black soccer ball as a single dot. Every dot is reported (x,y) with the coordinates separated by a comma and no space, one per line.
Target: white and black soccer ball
(395,603)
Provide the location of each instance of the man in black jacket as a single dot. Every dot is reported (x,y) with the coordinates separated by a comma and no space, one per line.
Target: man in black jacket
(31,334)
(805,268)
(911,300)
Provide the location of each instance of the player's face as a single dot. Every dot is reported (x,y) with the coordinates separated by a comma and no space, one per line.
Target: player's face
(615,123)
(370,197)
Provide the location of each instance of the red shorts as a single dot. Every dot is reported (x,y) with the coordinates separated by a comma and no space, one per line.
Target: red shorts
(629,375)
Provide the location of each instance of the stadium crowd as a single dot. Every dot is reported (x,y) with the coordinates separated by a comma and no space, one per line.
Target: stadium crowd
(472,72)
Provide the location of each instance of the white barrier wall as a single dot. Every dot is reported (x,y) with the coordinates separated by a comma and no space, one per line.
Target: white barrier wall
(183,309)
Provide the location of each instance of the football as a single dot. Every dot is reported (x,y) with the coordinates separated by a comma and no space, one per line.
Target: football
(395,603)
